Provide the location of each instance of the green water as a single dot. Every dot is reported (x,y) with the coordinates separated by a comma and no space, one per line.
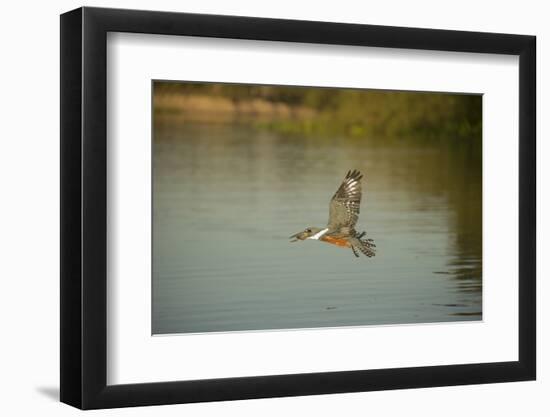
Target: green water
(226,198)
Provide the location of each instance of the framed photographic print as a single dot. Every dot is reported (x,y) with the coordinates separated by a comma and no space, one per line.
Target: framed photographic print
(258,207)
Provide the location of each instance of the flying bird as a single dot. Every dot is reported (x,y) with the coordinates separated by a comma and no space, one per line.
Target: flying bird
(343,215)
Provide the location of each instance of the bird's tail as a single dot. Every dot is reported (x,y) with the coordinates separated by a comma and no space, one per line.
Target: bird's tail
(365,246)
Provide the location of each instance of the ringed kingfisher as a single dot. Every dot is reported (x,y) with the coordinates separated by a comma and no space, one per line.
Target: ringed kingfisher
(343,215)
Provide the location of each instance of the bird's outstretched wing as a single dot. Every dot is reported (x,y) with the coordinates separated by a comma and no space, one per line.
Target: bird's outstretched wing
(344,206)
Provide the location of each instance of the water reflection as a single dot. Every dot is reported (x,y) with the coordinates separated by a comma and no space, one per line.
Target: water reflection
(227,197)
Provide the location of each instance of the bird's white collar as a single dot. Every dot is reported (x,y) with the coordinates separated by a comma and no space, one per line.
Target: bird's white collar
(317,235)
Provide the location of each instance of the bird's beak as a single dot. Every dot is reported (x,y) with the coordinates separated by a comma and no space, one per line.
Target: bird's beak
(294,237)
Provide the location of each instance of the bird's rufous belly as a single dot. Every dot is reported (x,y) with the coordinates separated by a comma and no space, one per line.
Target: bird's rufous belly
(336,241)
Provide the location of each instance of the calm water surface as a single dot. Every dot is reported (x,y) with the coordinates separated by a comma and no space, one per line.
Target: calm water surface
(226,199)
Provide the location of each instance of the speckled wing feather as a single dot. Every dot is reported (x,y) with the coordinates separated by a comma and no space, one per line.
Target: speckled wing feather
(344,206)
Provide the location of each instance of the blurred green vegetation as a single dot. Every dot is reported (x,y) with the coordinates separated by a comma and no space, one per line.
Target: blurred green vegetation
(339,111)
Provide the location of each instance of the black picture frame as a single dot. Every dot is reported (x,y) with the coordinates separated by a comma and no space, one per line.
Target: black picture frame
(84,207)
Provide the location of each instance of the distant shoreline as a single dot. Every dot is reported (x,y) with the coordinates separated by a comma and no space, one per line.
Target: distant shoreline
(383,116)
(207,107)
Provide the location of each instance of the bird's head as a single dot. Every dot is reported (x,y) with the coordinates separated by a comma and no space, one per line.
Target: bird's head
(305,234)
